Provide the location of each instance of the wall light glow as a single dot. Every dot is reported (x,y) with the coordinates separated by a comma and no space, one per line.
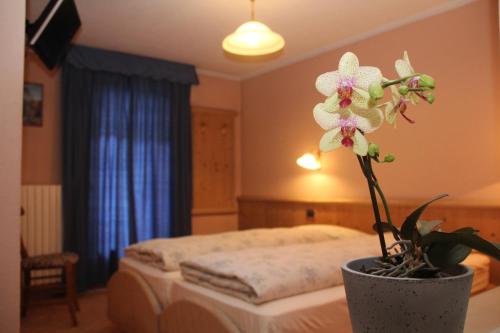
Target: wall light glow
(309,161)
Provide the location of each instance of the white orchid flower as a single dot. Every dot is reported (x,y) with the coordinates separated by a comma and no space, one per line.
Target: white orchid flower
(405,69)
(347,128)
(398,105)
(348,85)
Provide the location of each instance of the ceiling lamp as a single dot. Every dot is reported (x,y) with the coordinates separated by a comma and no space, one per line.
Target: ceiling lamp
(253,38)
(310,161)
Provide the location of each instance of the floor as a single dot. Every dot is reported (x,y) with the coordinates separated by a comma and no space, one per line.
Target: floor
(54,318)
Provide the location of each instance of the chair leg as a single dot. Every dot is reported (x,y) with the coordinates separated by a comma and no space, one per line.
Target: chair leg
(72,284)
(25,291)
(70,291)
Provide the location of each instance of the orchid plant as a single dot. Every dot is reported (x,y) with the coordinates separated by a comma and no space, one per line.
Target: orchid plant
(354,107)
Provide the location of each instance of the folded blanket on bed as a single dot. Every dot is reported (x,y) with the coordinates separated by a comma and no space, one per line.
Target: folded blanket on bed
(166,254)
(265,274)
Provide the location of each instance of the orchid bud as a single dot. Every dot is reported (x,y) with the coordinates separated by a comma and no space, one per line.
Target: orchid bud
(373,150)
(426,81)
(430,98)
(376,91)
(389,158)
(403,90)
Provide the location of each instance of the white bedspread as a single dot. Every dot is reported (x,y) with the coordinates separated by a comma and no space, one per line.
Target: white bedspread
(166,254)
(321,311)
(263,274)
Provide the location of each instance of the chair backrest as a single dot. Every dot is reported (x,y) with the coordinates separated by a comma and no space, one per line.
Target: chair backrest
(24,252)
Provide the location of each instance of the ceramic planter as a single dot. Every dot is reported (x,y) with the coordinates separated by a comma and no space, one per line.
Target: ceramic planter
(385,304)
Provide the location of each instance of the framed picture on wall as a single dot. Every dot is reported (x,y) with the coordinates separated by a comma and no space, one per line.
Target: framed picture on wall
(32,104)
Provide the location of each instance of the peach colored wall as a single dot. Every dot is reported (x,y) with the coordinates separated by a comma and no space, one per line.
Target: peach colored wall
(215,92)
(453,147)
(12,14)
(42,145)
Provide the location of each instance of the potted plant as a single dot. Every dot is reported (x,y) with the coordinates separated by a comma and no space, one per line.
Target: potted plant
(417,284)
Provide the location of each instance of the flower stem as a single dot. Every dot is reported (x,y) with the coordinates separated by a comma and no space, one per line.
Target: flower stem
(383,199)
(393,82)
(364,164)
(384,203)
(419,89)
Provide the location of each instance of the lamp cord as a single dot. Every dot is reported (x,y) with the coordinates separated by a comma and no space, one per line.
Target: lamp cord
(252,15)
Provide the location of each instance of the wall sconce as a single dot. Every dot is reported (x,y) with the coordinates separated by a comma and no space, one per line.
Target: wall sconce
(310,161)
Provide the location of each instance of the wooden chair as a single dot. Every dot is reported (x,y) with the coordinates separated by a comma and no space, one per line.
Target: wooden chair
(64,263)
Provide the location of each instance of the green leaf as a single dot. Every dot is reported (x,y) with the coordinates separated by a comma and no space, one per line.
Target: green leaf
(467,230)
(408,229)
(449,254)
(386,227)
(424,227)
(463,237)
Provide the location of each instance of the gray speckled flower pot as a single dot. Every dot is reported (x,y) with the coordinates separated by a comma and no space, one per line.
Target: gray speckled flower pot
(385,305)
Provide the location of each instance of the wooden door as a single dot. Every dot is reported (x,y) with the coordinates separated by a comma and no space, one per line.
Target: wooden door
(213,161)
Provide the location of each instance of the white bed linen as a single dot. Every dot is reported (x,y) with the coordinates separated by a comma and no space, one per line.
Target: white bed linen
(317,312)
(260,275)
(320,311)
(167,253)
(480,263)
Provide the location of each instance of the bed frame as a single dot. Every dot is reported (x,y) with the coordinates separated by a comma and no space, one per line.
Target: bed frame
(138,310)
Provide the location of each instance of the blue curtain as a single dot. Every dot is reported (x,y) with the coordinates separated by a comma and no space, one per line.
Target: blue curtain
(126,165)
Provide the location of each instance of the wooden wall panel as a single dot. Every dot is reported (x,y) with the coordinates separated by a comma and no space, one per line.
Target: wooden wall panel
(268,213)
(261,212)
(213,161)
(254,216)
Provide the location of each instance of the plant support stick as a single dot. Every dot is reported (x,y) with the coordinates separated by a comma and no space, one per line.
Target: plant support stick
(383,199)
(369,178)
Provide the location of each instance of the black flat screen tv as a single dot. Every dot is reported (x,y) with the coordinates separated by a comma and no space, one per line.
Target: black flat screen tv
(51,34)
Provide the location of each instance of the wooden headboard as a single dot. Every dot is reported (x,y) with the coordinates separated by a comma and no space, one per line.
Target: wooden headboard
(255,212)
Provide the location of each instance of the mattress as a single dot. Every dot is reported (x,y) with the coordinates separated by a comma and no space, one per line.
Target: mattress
(159,281)
(314,312)
(480,263)
(483,315)
(320,311)
(317,312)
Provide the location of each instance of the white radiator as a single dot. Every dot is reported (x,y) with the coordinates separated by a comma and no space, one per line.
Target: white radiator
(41,224)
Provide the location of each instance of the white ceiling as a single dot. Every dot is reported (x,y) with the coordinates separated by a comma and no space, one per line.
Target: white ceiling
(191,31)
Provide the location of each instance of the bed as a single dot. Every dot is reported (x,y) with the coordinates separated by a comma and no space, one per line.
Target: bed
(146,299)
(140,292)
(308,312)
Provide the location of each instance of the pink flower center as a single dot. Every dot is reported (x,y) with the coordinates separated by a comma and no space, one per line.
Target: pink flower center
(347,142)
(413,82)
(347,130)
(344,89)
(401,107)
